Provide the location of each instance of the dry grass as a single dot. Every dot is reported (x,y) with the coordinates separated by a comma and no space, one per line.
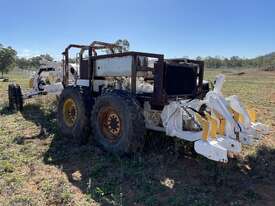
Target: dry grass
(39,167)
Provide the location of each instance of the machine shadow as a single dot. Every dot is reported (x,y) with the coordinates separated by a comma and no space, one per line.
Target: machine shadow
(46,121)
(5,110)
(162,177)
(159,175)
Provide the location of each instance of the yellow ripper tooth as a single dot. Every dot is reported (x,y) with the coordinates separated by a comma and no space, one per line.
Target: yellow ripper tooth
(241,118)
(252,115)
(213,126)
(205,126)
(221,129)
(236,115)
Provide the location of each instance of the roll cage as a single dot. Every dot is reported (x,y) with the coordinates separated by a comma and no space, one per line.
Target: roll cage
(161,69)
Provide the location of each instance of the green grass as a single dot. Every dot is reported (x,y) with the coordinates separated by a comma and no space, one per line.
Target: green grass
(40,167)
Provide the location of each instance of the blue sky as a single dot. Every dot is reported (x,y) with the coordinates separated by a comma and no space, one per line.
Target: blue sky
(175,28)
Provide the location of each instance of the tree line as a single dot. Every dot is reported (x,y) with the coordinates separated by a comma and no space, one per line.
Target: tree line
(9,59)
(264,62)
(33,62)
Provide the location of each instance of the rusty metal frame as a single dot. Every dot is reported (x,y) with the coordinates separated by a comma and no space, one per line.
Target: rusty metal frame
(95,45)
(159,97)
(136,68)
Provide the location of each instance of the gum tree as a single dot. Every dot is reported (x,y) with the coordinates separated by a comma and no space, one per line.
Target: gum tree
(7,59)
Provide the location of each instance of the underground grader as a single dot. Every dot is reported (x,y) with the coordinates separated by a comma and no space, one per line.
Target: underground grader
(117,96)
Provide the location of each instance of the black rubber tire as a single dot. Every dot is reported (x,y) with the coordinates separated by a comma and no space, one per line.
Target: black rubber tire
(12,98)
(19,98)
(15,97)
(131,138)
(41,83)
(80,131)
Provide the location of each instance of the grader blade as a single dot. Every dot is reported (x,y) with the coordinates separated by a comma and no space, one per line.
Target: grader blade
(212,150)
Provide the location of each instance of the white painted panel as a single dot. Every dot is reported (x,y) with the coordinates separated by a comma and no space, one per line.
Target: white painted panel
(82,82)
(115,66)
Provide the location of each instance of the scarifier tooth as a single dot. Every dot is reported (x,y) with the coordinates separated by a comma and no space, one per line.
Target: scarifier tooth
(252,115)
(213,126)
(205,126)
(221,125)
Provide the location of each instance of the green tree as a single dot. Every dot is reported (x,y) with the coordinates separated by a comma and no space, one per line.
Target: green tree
(36,61)
(199,58)
(125,46)
(23,63)
(46,57)
(124,43)
(7,59)
(236,61)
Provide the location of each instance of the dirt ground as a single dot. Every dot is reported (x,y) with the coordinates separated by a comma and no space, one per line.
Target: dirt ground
(40,167)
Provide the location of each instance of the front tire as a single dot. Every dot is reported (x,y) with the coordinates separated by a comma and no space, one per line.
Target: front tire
(73,115)
(118,123)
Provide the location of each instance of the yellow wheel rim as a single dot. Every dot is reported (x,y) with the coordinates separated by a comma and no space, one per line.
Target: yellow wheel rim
(69,112)
(110,124)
